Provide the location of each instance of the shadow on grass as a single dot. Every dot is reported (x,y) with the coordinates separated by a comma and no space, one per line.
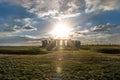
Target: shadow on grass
(108,50)
(85,48)
(23,51)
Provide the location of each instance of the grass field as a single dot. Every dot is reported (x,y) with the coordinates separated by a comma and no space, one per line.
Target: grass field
(88,63)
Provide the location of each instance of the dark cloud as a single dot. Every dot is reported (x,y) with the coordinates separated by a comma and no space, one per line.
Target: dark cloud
(16,28)
(24,28)
(83,32)
(28,27)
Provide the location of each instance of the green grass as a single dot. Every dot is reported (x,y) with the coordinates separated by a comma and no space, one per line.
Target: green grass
(83,64)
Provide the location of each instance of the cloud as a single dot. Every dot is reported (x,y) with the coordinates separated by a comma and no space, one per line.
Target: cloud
(17,20)
(30,37)
(83,32)
(99,38)
(28,28)
(16,28)
(6,24)
(66,8)
(101,5)
(27,25)
(19,40)
(97,30)
(53,8)
(106,27)
(62,16)
(23,28)
(24,24)
(100,31)
(7,30)
(101,34)
(26,20)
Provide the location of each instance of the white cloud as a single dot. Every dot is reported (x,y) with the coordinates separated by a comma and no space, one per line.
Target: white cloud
(16,28)
(66,16)
(88,24)
(30,37)
(17,20)
(26,20)
(6,24)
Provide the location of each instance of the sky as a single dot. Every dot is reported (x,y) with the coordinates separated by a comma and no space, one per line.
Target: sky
(25,22)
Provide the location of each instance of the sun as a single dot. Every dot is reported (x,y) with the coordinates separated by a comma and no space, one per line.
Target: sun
(61,30)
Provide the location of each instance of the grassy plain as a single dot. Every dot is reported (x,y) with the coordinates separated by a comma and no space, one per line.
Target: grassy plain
(87,63)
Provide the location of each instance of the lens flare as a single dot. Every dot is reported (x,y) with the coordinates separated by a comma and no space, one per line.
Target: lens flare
(59,70)
(61,30)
